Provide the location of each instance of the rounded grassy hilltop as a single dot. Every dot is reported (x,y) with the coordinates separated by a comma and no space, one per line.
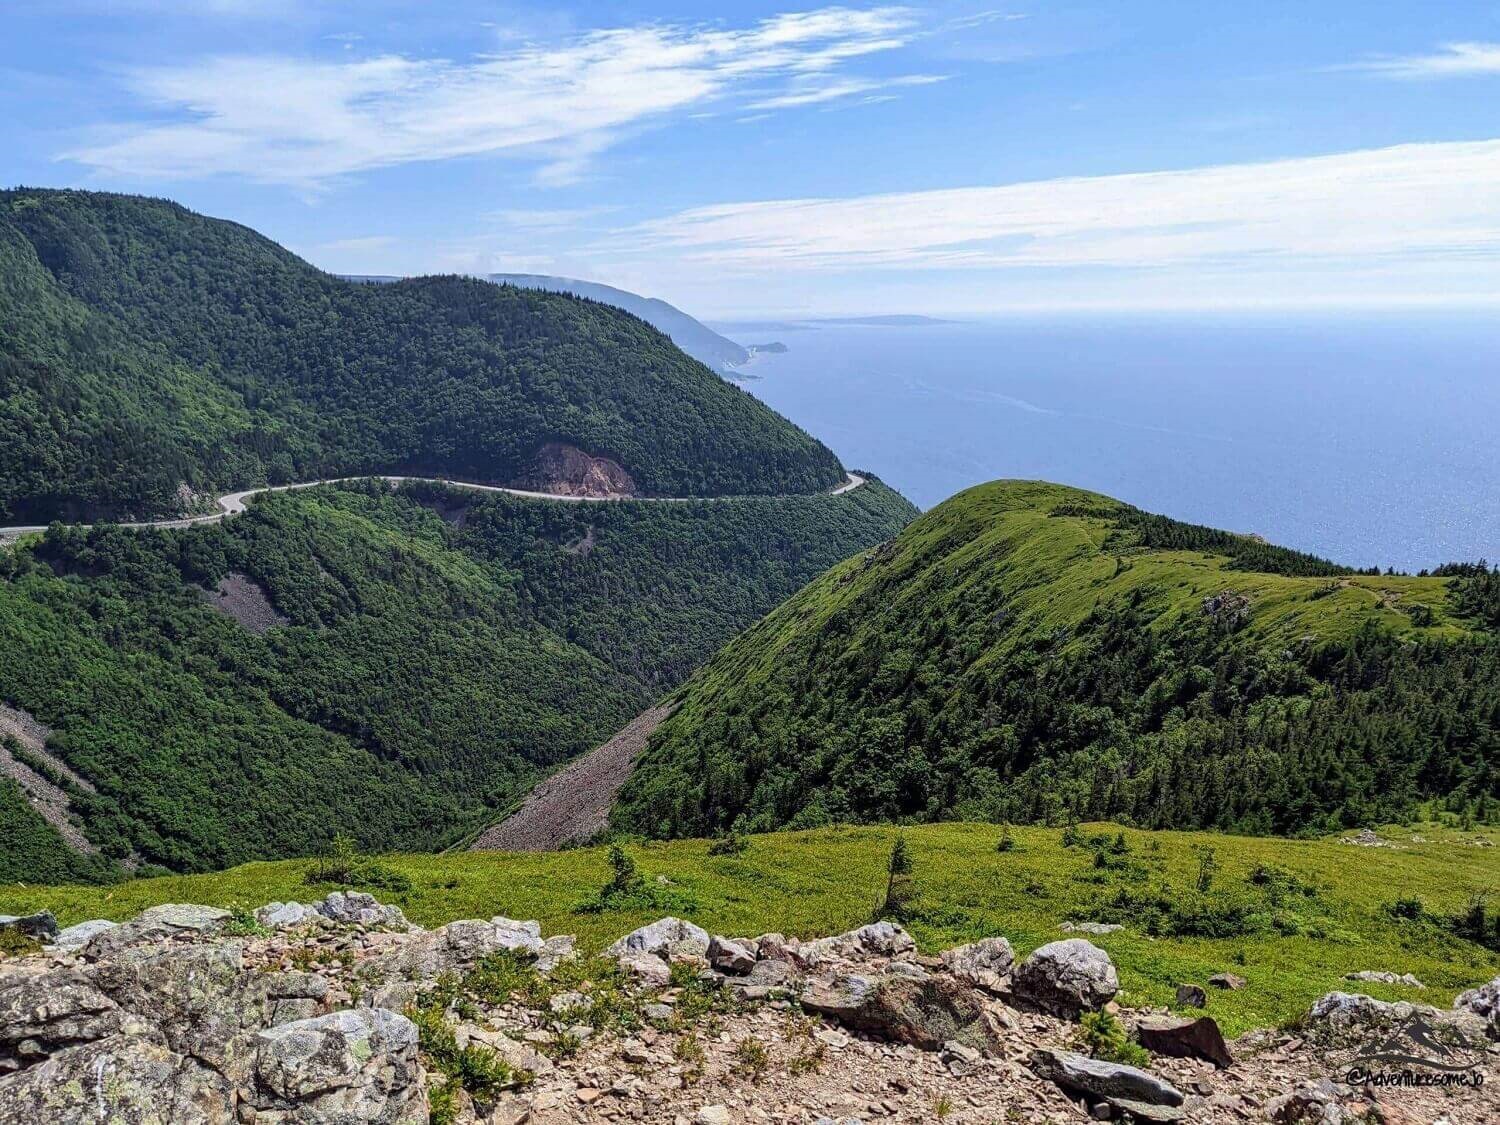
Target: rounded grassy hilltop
(1030,652)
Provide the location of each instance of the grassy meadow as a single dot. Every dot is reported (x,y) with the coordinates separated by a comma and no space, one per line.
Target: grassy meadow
(1299,914)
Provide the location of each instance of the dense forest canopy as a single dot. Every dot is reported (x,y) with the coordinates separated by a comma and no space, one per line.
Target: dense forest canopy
(436,651)
(1029,652)
(149,355)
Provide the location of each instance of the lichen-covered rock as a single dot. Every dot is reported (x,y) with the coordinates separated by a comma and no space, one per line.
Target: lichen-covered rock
(454,948)
(1067,977)
(286,915)
(356,908)
(1095,928)
(40,926)
(925,1012)
(1483,1002)
(185,916)
(122,1079)
(878,939)
(985,963)
(665,938)
(72,937)
(555,950)
(1381,976)
(47,1011)
(1342,1019)
(204,1001)
(354,1065)
(127,935)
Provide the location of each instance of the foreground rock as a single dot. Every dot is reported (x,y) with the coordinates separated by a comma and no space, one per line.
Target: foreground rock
(1125,1088)
(1067,977)
(40,926)
(357,1065)
(926,1011)
(1182,1037)
(1483,1002)
(666,938)
(305,1024)
(985,963)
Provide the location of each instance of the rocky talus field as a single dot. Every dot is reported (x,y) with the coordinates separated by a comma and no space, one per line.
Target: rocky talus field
(342,1011)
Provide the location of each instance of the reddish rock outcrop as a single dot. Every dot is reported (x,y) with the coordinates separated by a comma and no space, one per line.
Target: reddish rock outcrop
(566,470)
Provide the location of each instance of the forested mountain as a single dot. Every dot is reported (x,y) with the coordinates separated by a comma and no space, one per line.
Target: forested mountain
(148,354)
(1030,652)
(692,336)
(396,664)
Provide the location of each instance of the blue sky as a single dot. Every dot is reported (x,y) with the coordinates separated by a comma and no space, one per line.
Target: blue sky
(799,158)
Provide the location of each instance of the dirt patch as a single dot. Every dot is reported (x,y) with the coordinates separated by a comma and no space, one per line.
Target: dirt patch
(49,799)
(244,600)
(582,545)
(452,511)
(573,803)
(565,470)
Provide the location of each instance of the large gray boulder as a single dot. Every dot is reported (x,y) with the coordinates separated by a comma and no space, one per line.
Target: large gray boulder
(1108,1080)
(124,1079)
(1066,977)
(355,1066)
(664,938)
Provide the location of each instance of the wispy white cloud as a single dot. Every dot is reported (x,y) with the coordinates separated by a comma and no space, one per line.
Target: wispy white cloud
(1423,201)
(818,93)
(303,121)
(1453,60)
(547,220)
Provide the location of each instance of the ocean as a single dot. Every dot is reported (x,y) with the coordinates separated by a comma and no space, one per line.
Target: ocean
(1371,439)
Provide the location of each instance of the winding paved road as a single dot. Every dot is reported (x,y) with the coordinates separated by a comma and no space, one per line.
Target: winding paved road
(233,503)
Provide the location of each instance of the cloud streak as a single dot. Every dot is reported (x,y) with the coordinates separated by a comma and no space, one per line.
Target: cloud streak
(1453,60)
(1431,201)
(305,121)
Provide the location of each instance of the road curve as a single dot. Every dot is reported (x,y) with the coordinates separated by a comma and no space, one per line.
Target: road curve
(233,503)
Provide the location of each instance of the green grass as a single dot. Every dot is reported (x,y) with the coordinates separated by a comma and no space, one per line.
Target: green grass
(828,880)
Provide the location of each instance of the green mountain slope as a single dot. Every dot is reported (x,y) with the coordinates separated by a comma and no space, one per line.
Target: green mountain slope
(144,348)
(693,337)
(436,650)
(1031,652)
